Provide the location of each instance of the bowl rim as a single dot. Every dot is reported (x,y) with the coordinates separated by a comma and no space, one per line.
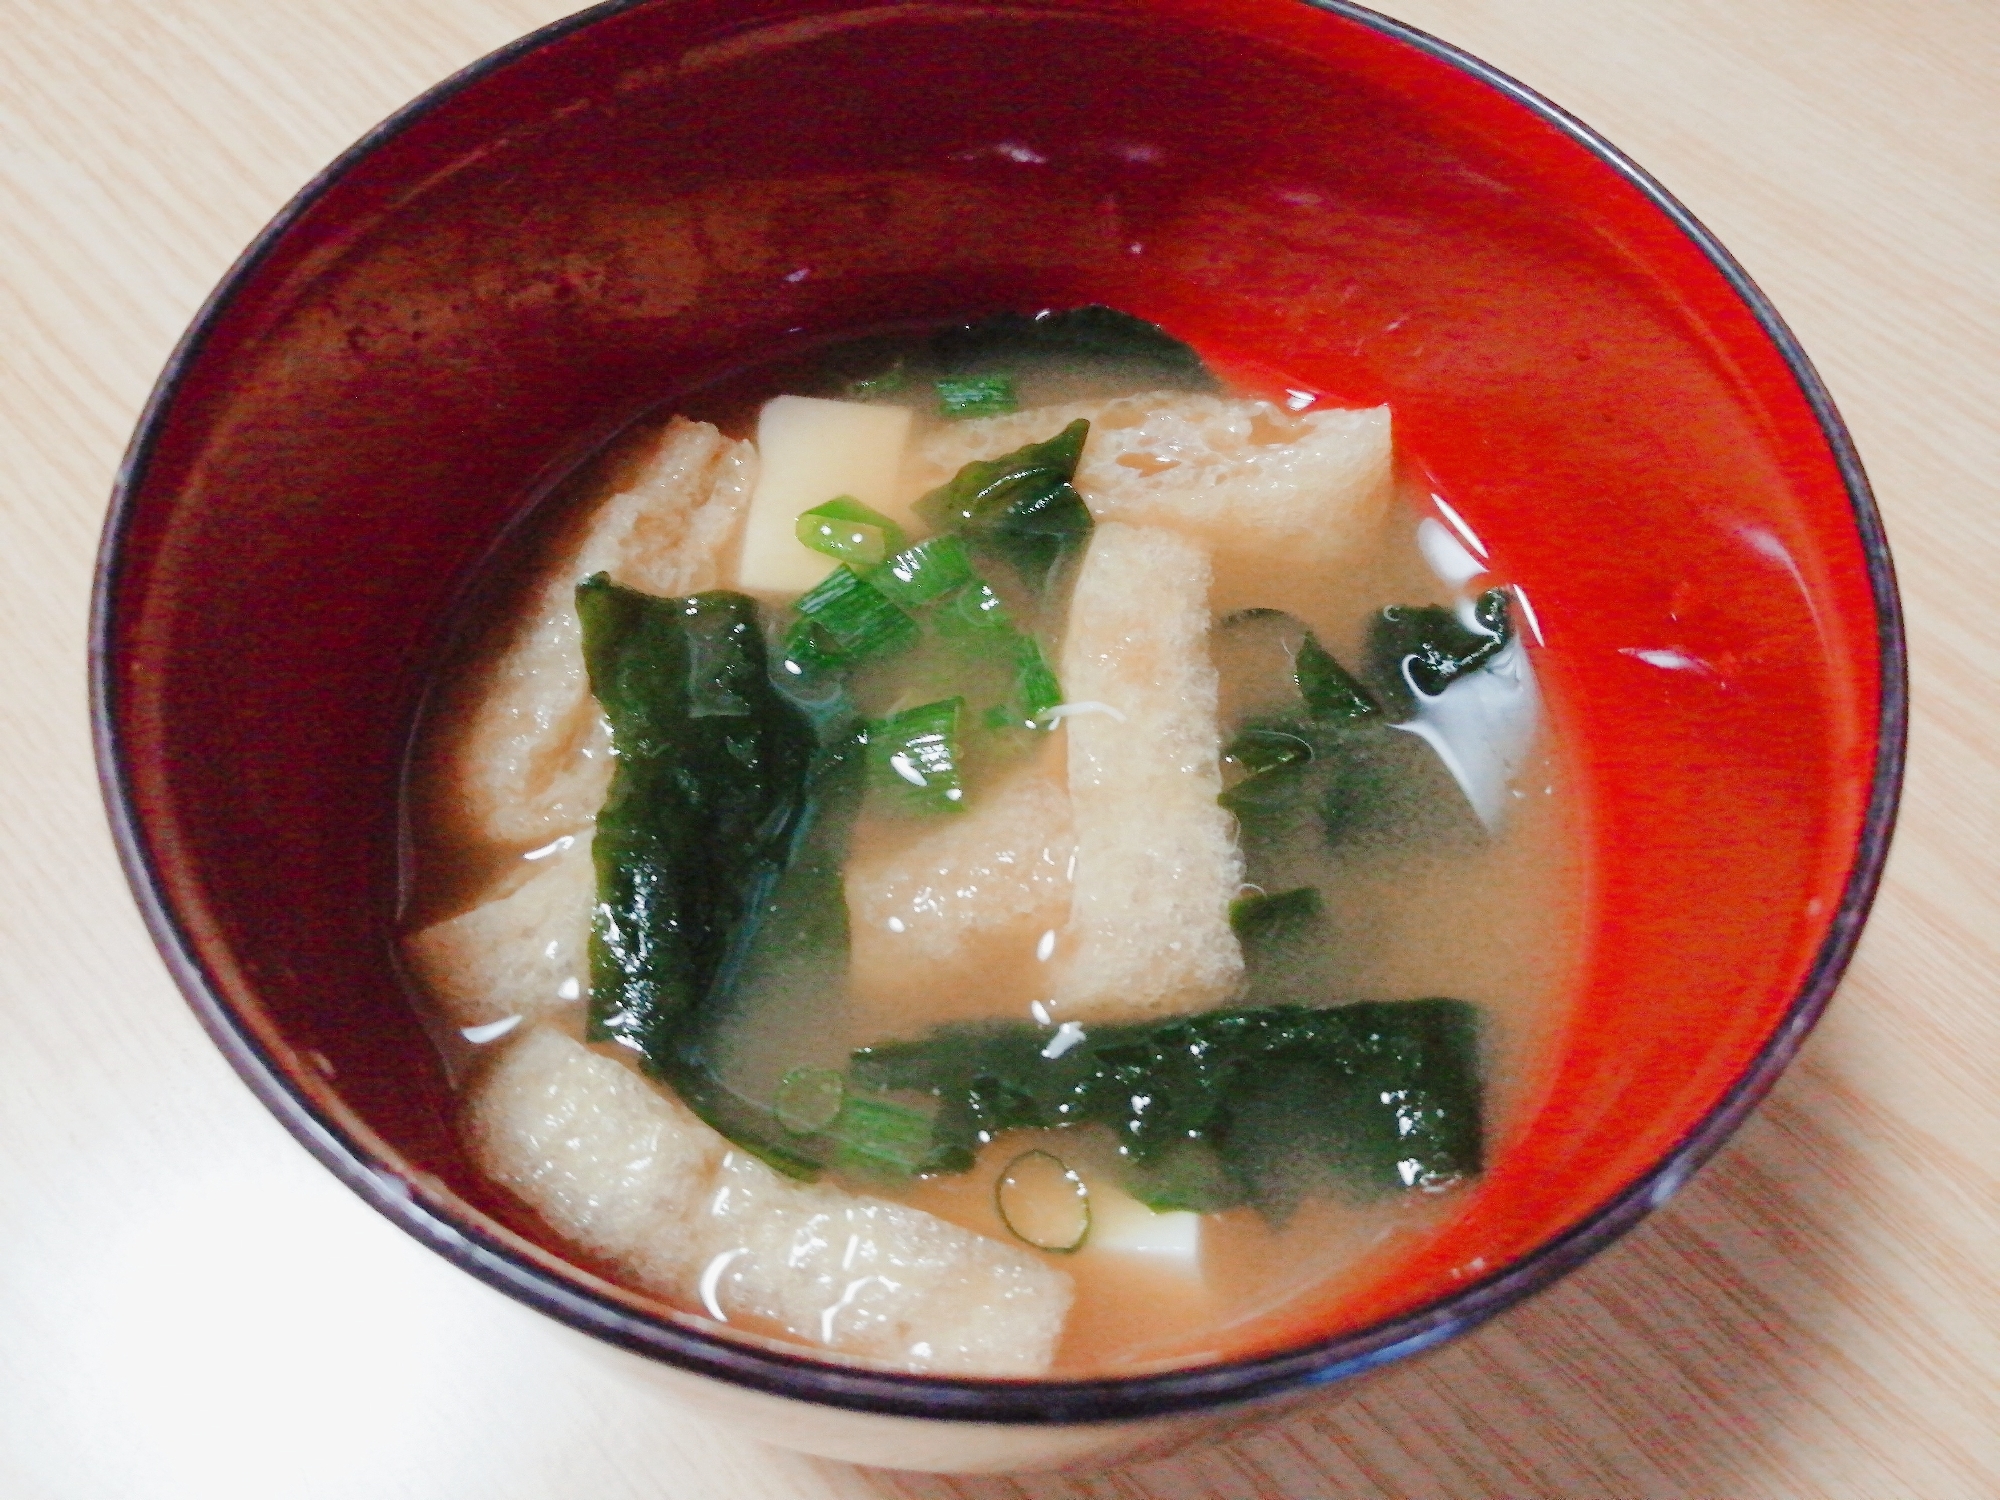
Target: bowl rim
(780,1371)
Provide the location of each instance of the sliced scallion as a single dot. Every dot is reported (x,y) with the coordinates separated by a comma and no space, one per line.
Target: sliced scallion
(918,575)
(1043,1202)
(808,1099)
(1036,689)
(850,532)
(845,620)
(878,1138)
(916,756)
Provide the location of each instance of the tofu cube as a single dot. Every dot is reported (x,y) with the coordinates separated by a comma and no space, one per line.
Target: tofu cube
(811,451)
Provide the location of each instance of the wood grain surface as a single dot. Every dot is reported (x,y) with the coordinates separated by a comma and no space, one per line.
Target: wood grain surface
(190,1307)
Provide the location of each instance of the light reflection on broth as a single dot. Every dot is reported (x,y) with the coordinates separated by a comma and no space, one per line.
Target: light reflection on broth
(1436,907)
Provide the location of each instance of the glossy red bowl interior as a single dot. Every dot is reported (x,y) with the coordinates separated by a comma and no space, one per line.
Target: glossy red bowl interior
(656,194)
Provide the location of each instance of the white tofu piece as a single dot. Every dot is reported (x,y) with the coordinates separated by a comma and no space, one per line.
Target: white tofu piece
(1156,858)
(532,758)
(1121,1225)
(958,910)
(612,1163)
(627,1172)
(523,950)
(811,451)
(1280,500)
(879,1280)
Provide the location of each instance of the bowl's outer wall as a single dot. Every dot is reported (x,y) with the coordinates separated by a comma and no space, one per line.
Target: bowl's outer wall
(458,315)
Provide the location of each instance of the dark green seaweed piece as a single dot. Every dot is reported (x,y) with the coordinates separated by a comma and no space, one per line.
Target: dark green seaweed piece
(1350,777)
(1277,787)
(1265,747)
(1330,691)
(1276,917)
(963,396)
(1340,760)
(795,944)
(1020,505)
(1285,1101)
(1427,647)
(1095,332)
(718,858)
(708,782)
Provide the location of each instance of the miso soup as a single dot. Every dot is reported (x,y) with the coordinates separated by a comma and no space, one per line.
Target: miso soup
(990,852)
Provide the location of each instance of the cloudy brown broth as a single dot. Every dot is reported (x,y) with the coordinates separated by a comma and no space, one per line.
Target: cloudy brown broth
(1442,903)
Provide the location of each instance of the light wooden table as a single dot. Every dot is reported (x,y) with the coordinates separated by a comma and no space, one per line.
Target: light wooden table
(190,1307)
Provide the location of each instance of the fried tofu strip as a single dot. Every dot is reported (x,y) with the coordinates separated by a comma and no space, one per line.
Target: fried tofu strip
(523,950)
(1156,858)
(1280,501)
(532,760)
(627,1172)
(947,919)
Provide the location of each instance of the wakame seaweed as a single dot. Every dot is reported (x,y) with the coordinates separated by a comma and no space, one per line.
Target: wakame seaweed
(1021,505)
(718,845)
(709,780)
(1428,648)
(1337,758)
(1153,357)
(1261,1106)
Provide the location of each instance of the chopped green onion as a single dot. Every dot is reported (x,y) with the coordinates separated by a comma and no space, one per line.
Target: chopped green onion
(961,396)
(1267,917)
(845,620)
(1036,689)
(1021,505)
(1329,689)
(1043,1202)
(876,1138)
(917,575)
(850,532)
(809,1099)
(809,652)
(973,614)
(915,754)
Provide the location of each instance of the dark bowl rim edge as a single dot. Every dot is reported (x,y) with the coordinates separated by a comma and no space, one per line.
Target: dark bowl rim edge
(1075,1402)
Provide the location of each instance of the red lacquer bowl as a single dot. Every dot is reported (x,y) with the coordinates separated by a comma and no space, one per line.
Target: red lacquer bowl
(646,197)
